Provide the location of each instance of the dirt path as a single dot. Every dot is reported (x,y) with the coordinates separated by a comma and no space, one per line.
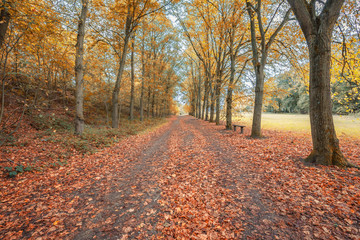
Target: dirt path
(186,183)
(212,191)
(188,180)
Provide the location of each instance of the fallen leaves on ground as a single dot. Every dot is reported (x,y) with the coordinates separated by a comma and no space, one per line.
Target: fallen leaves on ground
(189,179)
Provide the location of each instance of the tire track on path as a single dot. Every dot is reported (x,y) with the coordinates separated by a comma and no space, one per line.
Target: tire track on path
(259,220)
(129,210)
(194,203)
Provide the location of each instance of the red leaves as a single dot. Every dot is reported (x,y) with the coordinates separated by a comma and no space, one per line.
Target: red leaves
(272,170)
(56,203)
(195,204)
(320,192)
(195,181)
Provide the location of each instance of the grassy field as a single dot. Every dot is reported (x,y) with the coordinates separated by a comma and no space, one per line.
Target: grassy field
(345,125)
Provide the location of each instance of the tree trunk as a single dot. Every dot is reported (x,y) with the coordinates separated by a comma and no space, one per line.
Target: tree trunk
(231,82)
(116,91)
(132,82)
(79,70)
(193,104)
(142,82)
(142,99)
(153,105)
(199,94)
(259,73)
(317,31)
(217,93)
(207,108)
(326,150)
(207,99)
(206,95)
(194,99)
(259,94)
(212,105)
(203,108)
(229,108)
(115,95)
(230,89)
(4,22)
(3,78)
(259,61)
(148,101)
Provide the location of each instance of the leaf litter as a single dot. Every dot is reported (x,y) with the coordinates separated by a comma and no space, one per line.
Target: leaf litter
(188,179)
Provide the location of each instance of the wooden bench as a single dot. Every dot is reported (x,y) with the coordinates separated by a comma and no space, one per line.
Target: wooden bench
(241,128)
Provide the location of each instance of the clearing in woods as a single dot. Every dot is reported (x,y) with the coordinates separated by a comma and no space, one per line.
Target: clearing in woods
(345,125)
(188,180)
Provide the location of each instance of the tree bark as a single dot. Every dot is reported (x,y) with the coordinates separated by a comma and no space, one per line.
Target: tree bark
(148,101)
(79,70)
(326,148)
(4,21)
(218,88)
(217,97)
(259,60)
(229,108)
(212,104)
(199,94)
(132,91)
(142,81)
(231,86)
(259,94)
(259,74)
(193,104)
(142,99)
(207,107)
(206,96)
(153,105)
(317,31)
(116,91)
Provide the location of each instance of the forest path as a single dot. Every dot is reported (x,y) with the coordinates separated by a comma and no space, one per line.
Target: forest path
(186,183)
(189,179)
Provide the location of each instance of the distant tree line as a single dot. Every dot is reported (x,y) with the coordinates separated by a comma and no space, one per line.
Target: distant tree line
(292,96)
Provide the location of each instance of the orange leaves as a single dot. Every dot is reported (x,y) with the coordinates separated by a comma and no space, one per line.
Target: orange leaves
(193,201)
(192,180)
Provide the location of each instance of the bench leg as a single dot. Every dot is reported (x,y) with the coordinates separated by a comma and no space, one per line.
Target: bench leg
(242,130)
(234,128)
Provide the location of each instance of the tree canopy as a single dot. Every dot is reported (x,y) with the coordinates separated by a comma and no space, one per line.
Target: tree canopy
(144,58)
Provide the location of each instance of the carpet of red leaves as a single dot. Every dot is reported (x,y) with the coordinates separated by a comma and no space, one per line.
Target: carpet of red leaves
(188,179)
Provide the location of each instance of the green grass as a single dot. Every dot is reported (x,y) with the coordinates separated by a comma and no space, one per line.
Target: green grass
(345,125)
(98,137)
(59,129)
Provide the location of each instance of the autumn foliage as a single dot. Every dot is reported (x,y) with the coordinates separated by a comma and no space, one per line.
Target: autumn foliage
(116,73)
(188,179)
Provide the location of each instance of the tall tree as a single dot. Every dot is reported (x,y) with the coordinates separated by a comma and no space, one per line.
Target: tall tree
(132,79)
(237,40)
(260,56)
(142,75)
(134,11)
(129,28)
(79,70)
(317,21)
